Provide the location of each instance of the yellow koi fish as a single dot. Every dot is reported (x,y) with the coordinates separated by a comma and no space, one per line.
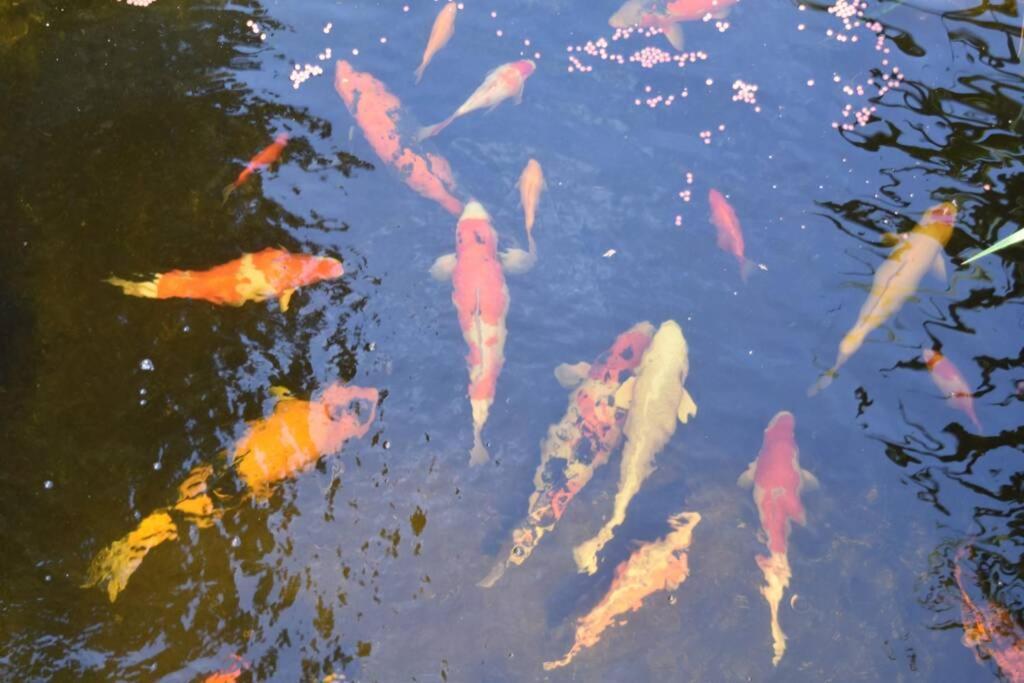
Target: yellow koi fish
(657,399)
(897,279)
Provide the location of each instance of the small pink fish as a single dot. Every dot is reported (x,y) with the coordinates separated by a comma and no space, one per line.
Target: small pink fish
(951,383)
(730,236)
(504,82)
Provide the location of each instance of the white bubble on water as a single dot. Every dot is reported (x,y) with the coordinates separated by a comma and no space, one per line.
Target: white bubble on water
(146,365)
(48,484)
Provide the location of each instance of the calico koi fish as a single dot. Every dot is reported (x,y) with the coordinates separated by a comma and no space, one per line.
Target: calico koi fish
(578,445)
(951,383)
(658,398)
(661,565)
(265,158)
(481,300)
(730,236)
(531,184)
(267,274)
(379,115)
(287,442)
(897,279)
(508,80)
(778,481)
(990,628)
(666,15)
(441,32)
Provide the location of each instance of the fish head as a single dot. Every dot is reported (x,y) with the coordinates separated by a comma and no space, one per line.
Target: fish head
(287,271)
(625,353)
(781,427)
(633,13)
(281,139)
(346,82)
(525,67)
(931,357)
(474,232)
(937,222)
(342,412)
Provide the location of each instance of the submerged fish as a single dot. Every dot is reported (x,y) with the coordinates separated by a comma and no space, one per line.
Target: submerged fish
(504,82)
(666,15)
(778,480)
(267,274)
(990,628)
(288,441)
(379,115)
(657,566)
(481,300)
(897,279)
(951,383)
(267,156)
(658,399)
(531,184)
(441,32)
(730,236)
(578,445)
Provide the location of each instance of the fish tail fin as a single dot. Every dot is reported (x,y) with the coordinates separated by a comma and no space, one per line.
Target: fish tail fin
(430,131)
(146,290)
(746,268)
(115,564)
(419,72)
(564,661)
(227,192)
(478,455)
(822,382)
(974,419)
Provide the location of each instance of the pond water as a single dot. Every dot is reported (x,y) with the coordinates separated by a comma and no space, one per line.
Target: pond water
(122,124)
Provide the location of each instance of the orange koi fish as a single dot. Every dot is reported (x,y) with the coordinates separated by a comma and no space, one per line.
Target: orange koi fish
(951,383)
(990,629)
(666,15)
(508,80)
(229,675)
(661,565)
(269,155)
(578,445)
(288,441)
(379,115)
(267,274)
(531,184)
(897,279)
(778,480)
(481,299)
(730,236)
(440,34)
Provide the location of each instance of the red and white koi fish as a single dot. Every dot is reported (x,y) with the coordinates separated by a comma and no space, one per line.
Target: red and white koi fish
(578,445)
(778,481)
(269,155)
(267,274)
(951,383)
(990,628)
(730,236)
(897,279)
(379,115)
(441,32)
(504,82)
(481,300)
(666,15)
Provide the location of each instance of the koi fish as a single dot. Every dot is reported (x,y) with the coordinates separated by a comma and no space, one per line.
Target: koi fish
(578,445)
(379,115)
(778,480)
(481,299)
(440,34)
(666,15)
(504,82)
(657,399)
(267,274)
(661,565)
(951,383)
(897,279)
(990,629)
(288,441)
(229,675)
(265,158)
(730,236)
(531,184)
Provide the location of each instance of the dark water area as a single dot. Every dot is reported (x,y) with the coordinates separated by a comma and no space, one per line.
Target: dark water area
(122,124)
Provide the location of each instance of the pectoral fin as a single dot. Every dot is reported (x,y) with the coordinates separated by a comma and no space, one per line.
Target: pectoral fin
(891,239)
(571,376)
(285,299)
(746,479)
(624,394)
(687,407)
(808,481)
(443,267)
(517,261)
(939,267)
(674,33)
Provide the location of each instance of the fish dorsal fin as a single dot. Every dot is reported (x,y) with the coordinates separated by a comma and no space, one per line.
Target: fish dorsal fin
(443,267)
(571,376)
(746,480)
(808,481)
(687,407)
(285,299)
(939,266)
(624,394)
(517,261)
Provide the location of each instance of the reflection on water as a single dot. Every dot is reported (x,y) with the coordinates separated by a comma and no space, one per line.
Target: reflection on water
(827,128)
